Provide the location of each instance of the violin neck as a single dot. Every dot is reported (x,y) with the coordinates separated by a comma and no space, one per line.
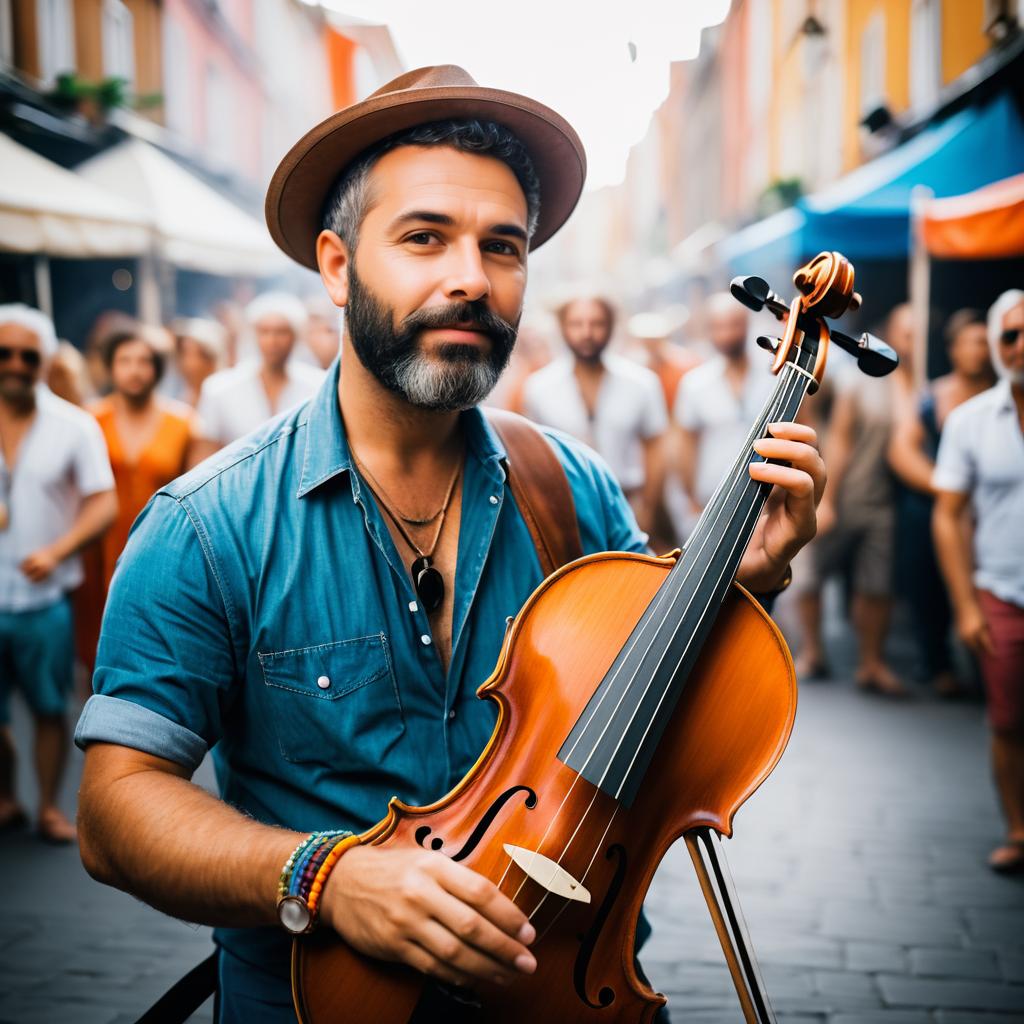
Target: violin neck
(615,738)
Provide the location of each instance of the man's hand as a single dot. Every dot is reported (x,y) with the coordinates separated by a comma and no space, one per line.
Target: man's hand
(38,566)
(973,628)
(789,520)
(423,909)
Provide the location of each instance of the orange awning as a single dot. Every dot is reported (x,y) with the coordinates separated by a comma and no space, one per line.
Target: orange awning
(982,225)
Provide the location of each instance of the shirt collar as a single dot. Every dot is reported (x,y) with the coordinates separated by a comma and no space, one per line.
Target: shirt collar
(326,452)
(1003,396)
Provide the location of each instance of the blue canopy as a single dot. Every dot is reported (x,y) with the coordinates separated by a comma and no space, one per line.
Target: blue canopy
(866,213)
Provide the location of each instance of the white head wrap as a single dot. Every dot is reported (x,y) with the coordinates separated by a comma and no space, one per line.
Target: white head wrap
(278,304)
(35,321)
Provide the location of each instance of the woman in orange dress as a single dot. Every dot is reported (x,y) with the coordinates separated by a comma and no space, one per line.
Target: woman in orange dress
(149,438)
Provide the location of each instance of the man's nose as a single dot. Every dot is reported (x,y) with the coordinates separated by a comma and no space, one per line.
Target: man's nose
(466,279)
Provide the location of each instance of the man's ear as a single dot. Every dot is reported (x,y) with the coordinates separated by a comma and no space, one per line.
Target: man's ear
(332,257)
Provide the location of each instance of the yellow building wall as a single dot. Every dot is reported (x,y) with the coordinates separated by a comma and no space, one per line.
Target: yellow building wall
(964,42)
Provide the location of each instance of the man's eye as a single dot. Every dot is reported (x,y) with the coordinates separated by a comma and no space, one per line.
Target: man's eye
(422,238)
(502,248)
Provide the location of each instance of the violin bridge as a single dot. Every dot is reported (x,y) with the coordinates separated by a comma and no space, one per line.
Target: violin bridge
(547,874)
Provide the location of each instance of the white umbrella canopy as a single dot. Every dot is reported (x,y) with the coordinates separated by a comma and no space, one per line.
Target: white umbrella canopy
(196,228)
(48,210)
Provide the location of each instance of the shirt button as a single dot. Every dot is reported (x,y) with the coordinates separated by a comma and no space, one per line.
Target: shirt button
(451,714)
(493,499)
(413,606)
(425,640)
(323,682)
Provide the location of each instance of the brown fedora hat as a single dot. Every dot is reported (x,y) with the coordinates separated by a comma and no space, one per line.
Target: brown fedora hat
(299,187)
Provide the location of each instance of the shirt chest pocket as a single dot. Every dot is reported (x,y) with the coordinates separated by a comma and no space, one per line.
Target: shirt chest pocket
(335,704)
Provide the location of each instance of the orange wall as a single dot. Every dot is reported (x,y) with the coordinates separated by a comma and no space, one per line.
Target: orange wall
(341,52)
(963,41)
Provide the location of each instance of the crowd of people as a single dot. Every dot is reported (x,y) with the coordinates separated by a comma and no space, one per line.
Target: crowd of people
(87,438)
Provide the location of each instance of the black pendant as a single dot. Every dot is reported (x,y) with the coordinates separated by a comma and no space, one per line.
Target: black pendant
(429,584)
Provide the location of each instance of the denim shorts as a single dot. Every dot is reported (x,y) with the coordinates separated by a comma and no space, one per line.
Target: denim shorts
(37,655)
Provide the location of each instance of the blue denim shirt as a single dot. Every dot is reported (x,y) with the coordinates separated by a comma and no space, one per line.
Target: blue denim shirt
(261,609)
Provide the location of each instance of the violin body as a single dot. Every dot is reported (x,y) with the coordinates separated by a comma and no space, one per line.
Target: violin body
(722,740)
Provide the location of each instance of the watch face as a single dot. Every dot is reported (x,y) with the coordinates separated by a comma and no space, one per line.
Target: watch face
(294,914)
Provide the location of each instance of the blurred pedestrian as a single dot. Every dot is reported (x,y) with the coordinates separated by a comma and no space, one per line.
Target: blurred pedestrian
(981,460)
(857,517)
(235,401)
(56,495)
(611,403)
(912,450)
(200,349)
(149,440)
(717,402)
(651,333)
(68,375)
(323,331)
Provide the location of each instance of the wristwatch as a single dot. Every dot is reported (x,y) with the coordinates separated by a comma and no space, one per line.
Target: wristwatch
(294,915)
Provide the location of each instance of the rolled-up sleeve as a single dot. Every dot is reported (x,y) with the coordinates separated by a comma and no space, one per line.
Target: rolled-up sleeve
(165,666)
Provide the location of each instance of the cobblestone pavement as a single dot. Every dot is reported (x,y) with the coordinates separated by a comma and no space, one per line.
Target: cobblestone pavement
(859,864)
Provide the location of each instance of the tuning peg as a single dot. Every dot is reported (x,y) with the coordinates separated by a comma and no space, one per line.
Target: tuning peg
(753,292)
(769,344)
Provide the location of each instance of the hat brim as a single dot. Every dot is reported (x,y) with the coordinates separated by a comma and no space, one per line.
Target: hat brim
(299,187)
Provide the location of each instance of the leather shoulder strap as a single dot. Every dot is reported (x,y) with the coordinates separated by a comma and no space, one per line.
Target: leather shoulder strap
(541,490)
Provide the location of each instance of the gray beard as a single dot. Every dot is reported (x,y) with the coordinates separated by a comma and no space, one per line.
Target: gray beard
(444,386)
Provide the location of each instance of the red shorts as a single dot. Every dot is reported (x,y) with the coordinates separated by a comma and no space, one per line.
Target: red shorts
(1003,671)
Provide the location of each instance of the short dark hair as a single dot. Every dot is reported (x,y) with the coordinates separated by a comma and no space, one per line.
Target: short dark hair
(118,338)
(960,319)
(346,204)
(609,310)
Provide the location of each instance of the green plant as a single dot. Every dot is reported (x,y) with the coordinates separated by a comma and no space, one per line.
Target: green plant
(72,93)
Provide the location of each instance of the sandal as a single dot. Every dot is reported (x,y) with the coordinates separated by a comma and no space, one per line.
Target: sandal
(1008,859)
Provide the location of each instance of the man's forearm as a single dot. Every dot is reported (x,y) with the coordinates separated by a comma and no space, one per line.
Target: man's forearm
(175,846)
(952,545)
(95,517)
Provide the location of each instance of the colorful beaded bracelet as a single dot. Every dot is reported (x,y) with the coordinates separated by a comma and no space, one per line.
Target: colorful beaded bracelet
(325,870)
(299,874)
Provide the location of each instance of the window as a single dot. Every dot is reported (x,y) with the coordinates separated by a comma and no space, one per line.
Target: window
(925,53)
(118,41)
(872,64)
(219,120)
(55,25)
(177,84)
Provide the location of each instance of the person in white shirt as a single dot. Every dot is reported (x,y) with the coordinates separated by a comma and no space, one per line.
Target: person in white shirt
(56,496)
(981,461)
(235,401)
(717,402)
(610,403)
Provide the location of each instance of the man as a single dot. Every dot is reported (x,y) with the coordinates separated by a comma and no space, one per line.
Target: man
(717,401)
(282,621)
(56,495)
(323,332)
(611,403)
(857,520)
(912,450)
(200,350)
(150,440)
(234,401)
(981,461)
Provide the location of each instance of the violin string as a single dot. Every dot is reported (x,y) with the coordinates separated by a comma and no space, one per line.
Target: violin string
(785,397)
(780,399)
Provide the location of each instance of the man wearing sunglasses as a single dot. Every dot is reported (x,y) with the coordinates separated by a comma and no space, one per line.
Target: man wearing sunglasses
(56,495)
(981,461)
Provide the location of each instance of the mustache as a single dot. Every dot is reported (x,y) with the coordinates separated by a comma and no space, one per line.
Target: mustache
(475,315)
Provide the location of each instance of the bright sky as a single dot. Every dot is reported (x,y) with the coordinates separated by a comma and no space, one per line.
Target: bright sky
(574,55)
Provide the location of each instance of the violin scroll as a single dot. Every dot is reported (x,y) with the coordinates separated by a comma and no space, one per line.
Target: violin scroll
(826,284)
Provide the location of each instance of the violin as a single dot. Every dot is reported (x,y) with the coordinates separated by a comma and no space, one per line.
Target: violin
(640,699)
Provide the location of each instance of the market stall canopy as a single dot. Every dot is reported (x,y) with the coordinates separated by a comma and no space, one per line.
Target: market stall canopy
(987,224)
(195,227)
(866,213)
(48,210)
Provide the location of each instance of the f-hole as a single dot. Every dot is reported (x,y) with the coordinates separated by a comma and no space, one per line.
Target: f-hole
(482,825)
(606,996)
